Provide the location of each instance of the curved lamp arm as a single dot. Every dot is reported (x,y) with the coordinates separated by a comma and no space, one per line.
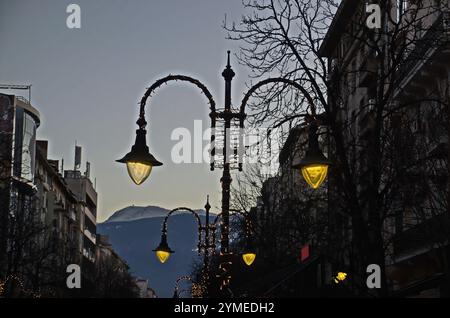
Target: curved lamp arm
(274,80)
(242,114)
(233,211)
(179,279)
(142,122)
(195,214)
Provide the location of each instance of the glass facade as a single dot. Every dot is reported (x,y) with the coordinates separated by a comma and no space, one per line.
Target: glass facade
(25,145)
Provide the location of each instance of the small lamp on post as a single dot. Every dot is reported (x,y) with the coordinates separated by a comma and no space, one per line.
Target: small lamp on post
(249,254)
(163,251)
(139,160)
(314,166)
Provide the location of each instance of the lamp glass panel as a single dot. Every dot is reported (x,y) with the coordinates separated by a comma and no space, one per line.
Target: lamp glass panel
(249,258)
(315,174)
(138,172)
(162,256)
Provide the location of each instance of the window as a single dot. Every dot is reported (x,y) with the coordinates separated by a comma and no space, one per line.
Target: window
(25,143)
(402,6)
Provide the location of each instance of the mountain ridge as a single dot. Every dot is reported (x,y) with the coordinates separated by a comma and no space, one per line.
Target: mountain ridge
(133,213)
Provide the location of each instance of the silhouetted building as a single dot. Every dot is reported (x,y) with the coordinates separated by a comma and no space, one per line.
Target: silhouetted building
(144,289)
(86,195)
(60,209)
(18,123)
(414,228)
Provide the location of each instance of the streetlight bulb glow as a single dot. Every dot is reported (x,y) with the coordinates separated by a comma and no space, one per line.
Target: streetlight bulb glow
(249,258)
(162,256)
(315,174)
(139,172)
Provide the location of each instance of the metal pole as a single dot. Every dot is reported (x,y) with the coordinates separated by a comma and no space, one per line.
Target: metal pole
(228,75)
(206,249)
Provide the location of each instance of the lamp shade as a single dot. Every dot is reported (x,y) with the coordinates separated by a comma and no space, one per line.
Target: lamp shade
(314,165)
(139,160)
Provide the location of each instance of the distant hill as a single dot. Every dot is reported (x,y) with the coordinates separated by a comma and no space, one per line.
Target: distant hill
(135,231)
(133,213)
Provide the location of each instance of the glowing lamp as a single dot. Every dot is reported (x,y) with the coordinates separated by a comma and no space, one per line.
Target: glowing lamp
(163,251)
(340,277)
(315,174)
(139,160)
(314,166)
(248,258)
(249,254)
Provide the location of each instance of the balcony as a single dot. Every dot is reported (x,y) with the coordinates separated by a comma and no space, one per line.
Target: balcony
(89,255)
(91,236)
(424,54)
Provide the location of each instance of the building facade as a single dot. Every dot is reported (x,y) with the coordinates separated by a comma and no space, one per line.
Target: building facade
(19,121)
(60,209)
(144,289)
(84,190)
(390,87)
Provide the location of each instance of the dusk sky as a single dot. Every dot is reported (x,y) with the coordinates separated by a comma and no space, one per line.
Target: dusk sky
(87,84)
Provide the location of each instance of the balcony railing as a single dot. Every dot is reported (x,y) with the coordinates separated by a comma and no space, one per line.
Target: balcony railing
(91,236)
(89,255)
(434,37)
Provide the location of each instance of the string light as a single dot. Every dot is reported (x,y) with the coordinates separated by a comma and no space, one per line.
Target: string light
(340,277)
(21,284)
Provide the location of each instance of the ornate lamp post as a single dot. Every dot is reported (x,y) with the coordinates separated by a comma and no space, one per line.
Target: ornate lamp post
(140,162)
(249,253)
(206,241)
(163,251)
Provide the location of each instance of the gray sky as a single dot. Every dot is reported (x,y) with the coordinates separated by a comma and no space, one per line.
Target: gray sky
(87,84)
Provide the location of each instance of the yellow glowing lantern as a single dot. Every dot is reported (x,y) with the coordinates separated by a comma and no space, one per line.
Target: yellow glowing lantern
(340,277)
(139,160)
(249,258)
(138,172)
(314,166)
(163,251)
(163,256)
(315,174)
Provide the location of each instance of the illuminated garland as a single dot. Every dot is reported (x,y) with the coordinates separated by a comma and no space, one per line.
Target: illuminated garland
(21,284)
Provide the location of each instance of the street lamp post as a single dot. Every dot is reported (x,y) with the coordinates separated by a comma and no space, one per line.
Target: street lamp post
(140,162)
(249,253)
(205,241)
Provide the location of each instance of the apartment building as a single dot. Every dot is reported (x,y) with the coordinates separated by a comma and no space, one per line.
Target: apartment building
(83,188)
(19,121)
(397,78)
(58,207)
